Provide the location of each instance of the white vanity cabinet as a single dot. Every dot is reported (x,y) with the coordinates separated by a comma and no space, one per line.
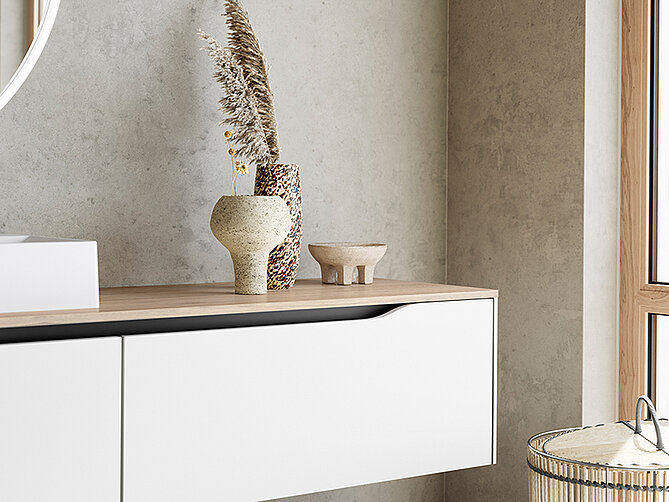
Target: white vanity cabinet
(251,414)
(193,393)
(60,411)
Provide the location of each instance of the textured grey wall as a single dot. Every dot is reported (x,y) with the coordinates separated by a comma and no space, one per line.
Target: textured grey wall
(515,212)
(422,489)
(113,137)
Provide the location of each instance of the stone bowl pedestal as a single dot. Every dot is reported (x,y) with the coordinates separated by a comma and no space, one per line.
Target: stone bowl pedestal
(250,226)
(338,261)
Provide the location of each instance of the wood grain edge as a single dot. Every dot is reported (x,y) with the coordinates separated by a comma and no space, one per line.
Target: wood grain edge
(633,336)
(52,318)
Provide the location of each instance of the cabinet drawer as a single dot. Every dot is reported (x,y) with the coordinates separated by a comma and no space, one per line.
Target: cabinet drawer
(60,421)
(251,414)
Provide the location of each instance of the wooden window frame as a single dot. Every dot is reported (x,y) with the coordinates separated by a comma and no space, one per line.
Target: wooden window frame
(35,13)
(638,296)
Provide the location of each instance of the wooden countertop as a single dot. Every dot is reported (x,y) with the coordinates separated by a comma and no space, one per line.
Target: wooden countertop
(188,300)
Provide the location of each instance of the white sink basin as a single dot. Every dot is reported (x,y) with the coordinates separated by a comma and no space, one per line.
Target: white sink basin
(39,273)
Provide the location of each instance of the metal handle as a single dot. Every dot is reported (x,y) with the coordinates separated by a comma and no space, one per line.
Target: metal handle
(653,416)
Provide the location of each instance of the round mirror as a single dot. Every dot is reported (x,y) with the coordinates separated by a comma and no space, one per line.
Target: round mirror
(24,28)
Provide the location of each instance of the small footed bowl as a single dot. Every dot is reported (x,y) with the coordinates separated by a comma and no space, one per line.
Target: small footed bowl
(338,260)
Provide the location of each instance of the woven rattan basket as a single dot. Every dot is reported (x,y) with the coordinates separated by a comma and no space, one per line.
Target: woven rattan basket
(618,462)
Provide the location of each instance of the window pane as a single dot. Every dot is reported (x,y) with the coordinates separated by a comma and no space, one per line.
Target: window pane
(659,217)
(660,349)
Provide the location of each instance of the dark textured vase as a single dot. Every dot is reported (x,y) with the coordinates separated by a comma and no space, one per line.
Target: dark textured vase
(283,180)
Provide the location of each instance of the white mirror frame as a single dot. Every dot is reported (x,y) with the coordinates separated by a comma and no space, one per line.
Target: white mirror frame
(33,53)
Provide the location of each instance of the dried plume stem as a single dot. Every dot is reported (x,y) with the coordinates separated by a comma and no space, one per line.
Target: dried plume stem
(239,104)
(249,55)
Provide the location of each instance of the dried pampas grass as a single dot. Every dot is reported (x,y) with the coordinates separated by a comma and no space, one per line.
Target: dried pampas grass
(249,55)
(239,103)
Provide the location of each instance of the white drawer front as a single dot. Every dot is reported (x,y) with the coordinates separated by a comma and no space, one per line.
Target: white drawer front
(60,421)
(251,414)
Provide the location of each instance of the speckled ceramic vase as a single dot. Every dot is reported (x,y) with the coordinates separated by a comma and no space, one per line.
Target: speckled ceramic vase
(250,227)
(283,180)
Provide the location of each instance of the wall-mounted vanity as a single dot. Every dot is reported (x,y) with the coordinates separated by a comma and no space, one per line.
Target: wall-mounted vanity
(176,393)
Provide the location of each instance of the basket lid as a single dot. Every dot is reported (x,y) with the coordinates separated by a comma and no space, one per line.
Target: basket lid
(611,445)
